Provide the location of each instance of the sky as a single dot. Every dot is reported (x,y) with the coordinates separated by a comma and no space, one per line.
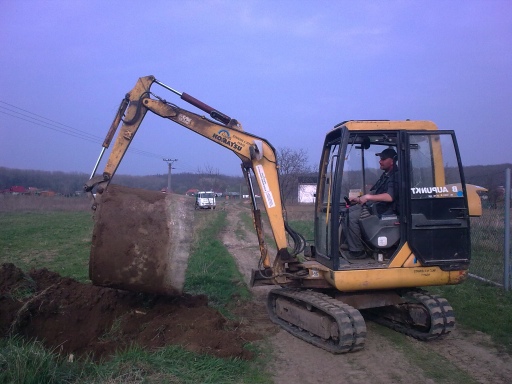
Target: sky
(288,70)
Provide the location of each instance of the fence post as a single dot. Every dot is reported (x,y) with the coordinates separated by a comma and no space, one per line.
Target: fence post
(507,231)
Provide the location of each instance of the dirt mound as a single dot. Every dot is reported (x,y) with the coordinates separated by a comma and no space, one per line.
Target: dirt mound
(75,318)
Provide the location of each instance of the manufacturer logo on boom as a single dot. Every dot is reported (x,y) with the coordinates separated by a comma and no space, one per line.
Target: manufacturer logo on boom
(224,137)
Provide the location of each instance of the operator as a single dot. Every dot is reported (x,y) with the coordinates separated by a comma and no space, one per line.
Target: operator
(381,200)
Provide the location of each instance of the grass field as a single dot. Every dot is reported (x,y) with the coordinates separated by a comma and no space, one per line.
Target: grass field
(487,240)
(60,241)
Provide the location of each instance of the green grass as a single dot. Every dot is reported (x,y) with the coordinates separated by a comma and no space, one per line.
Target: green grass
(174,365)
(305,228)
(487,245)
(59,241)
(211,269)
(29,362)
(481,307)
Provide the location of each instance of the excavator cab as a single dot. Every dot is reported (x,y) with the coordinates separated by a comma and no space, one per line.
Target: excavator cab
(430,216)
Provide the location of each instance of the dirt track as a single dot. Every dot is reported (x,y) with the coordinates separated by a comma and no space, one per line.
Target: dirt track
(380,361)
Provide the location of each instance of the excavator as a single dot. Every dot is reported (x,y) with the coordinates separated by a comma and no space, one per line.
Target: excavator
(319,294)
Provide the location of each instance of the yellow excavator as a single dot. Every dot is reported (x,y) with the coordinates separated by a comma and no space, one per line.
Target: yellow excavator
(321,293)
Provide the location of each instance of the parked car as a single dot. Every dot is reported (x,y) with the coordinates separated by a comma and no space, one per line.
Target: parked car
(206,200)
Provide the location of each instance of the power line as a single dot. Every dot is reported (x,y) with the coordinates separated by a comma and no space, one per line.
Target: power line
(54,128)
(170,163)
(45,122)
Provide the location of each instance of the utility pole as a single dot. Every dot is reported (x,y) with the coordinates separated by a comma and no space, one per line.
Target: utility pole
(169,163)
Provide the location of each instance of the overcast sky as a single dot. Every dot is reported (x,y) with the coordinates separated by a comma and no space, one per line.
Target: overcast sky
(287,70)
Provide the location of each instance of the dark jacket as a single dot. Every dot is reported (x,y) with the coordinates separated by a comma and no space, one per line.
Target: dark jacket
(387,183)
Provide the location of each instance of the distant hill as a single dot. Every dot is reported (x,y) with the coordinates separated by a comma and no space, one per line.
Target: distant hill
(68,183)
(488,176)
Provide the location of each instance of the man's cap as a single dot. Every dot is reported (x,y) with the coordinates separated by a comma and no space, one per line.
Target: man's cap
(388,153)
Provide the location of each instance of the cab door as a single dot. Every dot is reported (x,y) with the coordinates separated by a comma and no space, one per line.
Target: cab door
(438,218)
(328,201)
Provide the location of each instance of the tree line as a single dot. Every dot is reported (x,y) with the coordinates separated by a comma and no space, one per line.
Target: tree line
(293,164)
(69,183)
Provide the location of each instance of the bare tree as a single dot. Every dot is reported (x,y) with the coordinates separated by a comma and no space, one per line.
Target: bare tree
(208,170)
(209,179)
(292,164)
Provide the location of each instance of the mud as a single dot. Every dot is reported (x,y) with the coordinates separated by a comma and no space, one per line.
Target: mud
(70,317)
(138,239)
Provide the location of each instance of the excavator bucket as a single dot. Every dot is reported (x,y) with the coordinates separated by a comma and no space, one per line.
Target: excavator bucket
(141,240)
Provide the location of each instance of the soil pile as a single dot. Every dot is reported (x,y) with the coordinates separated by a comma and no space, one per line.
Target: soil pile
(70,317)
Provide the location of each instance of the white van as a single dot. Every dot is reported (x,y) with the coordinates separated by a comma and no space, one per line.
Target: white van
(205,200)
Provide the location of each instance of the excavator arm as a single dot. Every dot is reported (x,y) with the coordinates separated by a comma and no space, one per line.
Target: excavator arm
(257,155)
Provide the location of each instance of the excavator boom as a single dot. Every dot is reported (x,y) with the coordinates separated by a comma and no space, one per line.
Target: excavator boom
(256,154)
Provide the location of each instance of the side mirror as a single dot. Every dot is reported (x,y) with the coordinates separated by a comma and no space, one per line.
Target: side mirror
(366,142)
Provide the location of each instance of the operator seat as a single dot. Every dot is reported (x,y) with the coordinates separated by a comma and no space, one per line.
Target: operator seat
(381,233)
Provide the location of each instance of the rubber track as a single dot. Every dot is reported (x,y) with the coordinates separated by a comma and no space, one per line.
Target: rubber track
(351,325)
(442,318)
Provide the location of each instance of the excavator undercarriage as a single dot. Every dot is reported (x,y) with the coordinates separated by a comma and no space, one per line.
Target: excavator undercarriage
(337,327)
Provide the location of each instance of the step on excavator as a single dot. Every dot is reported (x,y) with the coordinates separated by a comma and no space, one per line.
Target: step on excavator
(320,293)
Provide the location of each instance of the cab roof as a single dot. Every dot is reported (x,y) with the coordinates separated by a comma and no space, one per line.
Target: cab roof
(371,125)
